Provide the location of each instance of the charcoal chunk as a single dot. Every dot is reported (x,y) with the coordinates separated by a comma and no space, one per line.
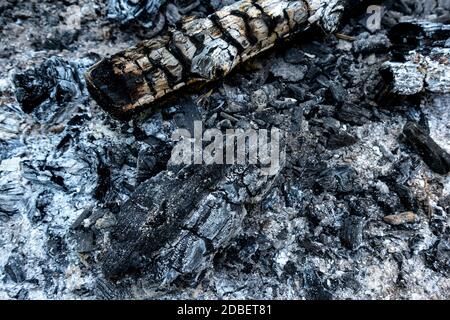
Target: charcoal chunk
(337,93)
(340,140)
(439,256)
(315,286)
(32,88)
(174,224)
(445,203)
(340,179)
(85,240)
(126,11)
(431,153)
(22,295)
(14,270)
(56,79)
(401,218)
(407,36)
(297,92)
(43,200)
(352,232)
(288,72)
(443,255)
(353,114)
(367,43)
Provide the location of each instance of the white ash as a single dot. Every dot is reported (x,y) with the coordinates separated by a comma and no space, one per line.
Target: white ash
(293,243)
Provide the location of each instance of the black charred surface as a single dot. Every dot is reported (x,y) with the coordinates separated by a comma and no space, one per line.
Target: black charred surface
(423,35)
(352,232)
(432,154)
(155,216)
(55,79)
(107,92)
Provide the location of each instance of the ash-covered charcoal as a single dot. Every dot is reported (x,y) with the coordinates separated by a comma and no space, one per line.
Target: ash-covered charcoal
(288,72)
(432,154)
(146,11)
(406,10)
(50,86)
(93,208)
(419,73)
(421,58)
(353,114)
(315,287)
(337,140)
(401,218)
(441,258)
(340,179)
(351,233)
(12,194)
(203,50)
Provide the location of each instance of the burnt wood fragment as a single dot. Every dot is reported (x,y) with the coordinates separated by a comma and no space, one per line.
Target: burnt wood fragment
(351,233)
(203,50)
(420,35)
(419,73)
(421,59)
(175,223)
(432,154)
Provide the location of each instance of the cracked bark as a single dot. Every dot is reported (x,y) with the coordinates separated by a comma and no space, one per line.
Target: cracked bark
(203,50)
(174,224)
(420,73)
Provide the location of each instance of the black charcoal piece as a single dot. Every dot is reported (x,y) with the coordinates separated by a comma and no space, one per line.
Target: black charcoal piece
(340,179)
(339,140)
(353,114)
(352,232)
(432,154)
(55,80)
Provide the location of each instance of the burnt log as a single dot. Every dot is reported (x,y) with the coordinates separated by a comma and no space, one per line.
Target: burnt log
(175,223)
(203,50)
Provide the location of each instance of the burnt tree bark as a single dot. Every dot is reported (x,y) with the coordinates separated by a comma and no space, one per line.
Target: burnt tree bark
(202,50)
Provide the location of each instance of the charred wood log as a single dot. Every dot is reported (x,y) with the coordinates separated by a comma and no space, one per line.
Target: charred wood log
(175,223)
(203,50)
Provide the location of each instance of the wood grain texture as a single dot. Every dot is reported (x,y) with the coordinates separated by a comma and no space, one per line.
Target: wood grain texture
(202,50)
